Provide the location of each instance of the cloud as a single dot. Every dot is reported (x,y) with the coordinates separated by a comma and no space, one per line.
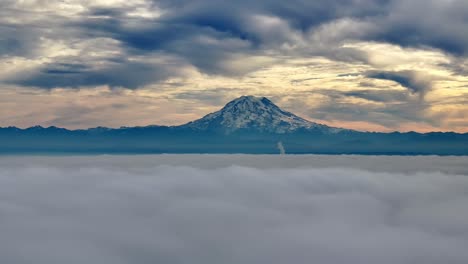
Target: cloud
(379,95)
(116,73)
(138,210)
(210,35)
(412,80)
(390,108)
(407,24)
(216,96)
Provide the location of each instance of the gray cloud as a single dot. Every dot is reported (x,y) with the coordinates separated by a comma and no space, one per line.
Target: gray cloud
(17,40)
(389,108)
(115,73)
(214,96)
(209,34)
(440,25)
(408,79)
(138,210)
(379,95)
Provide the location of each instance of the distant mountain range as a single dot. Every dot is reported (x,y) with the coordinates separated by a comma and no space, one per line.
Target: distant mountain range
(247,124)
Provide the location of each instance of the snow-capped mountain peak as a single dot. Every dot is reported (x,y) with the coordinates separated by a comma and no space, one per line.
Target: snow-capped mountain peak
(256,114)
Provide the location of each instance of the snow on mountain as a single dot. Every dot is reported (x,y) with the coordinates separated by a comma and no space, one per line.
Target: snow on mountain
(257,114)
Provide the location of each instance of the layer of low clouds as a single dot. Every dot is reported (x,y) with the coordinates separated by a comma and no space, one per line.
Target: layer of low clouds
(144,210)
(180,49)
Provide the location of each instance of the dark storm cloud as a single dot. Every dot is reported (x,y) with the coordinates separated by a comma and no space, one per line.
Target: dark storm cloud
(209,34)
(156,209)
(407,79)
(433,23)
(400,22)
(116,73)
(302,14)
(200,45)
(18,40)
(185,24)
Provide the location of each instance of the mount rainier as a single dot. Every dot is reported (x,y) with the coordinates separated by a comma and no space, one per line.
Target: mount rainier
(247,124)
(250,113)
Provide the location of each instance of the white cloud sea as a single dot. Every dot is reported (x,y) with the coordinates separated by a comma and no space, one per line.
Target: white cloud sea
(233,209)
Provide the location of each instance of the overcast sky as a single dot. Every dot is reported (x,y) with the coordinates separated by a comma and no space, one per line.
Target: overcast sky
(364,64)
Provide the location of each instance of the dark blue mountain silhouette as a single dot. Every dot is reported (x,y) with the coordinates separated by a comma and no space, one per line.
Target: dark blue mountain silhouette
(245,125)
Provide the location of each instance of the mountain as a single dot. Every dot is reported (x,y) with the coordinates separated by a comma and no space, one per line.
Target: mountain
(255,114)
(247,124)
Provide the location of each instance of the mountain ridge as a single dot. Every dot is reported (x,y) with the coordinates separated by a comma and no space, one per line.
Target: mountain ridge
(281,121)
(248,124)
(245,113)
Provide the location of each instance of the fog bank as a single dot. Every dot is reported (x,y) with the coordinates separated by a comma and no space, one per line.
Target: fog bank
(151,209)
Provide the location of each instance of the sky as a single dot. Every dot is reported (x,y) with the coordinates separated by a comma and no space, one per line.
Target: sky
(192,209)
(373,65)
